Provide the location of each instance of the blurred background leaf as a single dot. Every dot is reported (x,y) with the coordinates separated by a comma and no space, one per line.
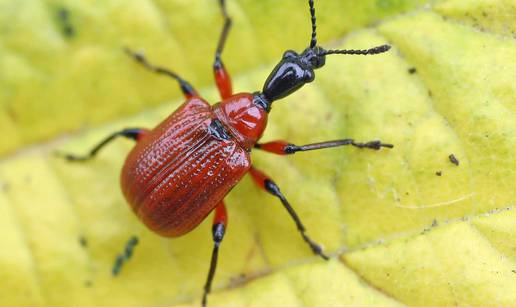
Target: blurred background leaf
(404,226)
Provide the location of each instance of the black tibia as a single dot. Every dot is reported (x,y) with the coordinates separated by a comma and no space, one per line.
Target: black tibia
(224,33)
(185,86)
(272,188)
(281,147)
(222,78)
(218,231)
(131,133)
(376,145)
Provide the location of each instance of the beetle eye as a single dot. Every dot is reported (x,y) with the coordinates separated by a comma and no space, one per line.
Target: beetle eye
(318,61)
(309,75)
(290,54)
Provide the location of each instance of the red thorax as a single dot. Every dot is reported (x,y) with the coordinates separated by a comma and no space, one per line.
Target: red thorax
(244,120)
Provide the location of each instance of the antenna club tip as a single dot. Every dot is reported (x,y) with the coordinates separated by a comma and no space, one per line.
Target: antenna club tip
(383,48)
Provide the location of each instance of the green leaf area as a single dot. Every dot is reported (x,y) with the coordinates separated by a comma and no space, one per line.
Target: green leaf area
(404,226)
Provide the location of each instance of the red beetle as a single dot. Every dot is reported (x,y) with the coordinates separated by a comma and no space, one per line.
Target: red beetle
(181,170)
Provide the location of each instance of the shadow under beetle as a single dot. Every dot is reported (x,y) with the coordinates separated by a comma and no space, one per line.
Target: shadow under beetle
(181,170)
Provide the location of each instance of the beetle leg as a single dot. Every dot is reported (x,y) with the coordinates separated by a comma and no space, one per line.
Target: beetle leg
(285,148)
(222,78)
(220,222)
(268,185)
(185,86)
(131,133)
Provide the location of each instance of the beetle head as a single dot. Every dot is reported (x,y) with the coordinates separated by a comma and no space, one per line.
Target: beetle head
(295,70)
(292,72)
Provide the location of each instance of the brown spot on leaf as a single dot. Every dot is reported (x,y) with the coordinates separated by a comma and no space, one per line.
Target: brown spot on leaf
(453,159)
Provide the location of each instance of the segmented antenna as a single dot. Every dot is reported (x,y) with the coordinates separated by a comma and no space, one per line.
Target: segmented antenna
(313,41)
(375,50)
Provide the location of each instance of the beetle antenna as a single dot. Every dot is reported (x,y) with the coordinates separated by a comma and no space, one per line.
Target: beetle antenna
(313,41)
(375,50)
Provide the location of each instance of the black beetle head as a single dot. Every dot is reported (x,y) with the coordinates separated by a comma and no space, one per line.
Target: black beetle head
(295,70)
(292,72)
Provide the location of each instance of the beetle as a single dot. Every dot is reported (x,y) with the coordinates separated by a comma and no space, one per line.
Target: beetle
(180,171)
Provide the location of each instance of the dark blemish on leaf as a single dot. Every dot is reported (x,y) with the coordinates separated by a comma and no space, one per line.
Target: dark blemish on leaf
(439,173)
(88,284)
(83,242)
(68,31)
(237,280)
(412,70)
(64,21)
(11,113)
(133,241)
(430,93)
(514,271)
(243,279)
(126,255)
(64,14)
(453,159)
(117,266)
(484,14)
(434,223)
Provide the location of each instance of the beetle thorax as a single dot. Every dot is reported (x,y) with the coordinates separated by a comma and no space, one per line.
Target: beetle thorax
(243,118)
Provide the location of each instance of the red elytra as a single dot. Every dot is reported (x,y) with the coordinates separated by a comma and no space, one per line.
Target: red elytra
(180,171)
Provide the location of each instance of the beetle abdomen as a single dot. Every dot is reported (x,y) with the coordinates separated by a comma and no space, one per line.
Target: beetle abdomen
(179,172)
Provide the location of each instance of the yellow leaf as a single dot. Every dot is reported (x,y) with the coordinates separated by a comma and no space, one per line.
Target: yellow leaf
(404,226)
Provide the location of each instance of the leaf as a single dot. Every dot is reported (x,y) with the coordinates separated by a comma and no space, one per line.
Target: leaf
(398,233)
